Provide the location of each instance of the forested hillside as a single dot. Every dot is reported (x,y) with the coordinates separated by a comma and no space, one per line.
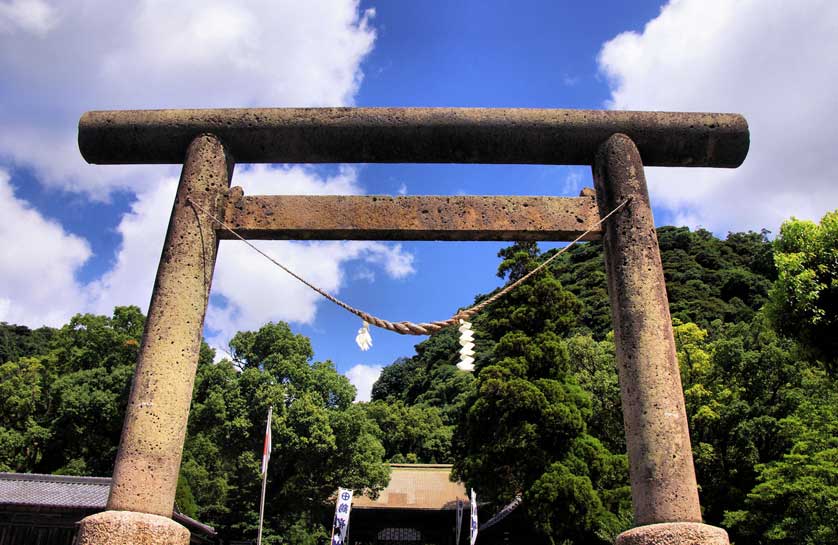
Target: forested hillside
(755,327)
(61,411)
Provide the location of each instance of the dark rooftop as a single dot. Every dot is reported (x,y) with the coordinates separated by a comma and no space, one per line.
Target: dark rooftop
(64,492)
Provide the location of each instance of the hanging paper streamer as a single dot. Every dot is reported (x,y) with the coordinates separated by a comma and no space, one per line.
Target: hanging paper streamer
(467,351)
(364,339)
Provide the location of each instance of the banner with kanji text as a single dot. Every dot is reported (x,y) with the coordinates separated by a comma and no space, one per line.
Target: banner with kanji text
(342,509)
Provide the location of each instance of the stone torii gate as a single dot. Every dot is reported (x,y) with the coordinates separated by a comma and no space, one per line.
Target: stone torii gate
(616,144)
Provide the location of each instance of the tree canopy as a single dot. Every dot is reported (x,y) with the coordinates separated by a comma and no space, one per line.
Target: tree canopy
(754,324)
(804,300)
(543,417)
(61,411)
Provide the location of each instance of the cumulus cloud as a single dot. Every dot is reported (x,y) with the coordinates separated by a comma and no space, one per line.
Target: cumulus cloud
(244,278)
(767,60)
(38,263)
(60,58)
(32,16)
(252,290)
(363,377)
(143,230)
(256,291)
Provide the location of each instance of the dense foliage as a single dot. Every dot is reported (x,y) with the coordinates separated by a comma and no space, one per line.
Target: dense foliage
(62,406)
(62,412)
(754,324)
(524,431)
(804,300)
(707,279)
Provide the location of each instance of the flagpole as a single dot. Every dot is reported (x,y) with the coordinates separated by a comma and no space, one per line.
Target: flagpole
(262,508)
(266,453)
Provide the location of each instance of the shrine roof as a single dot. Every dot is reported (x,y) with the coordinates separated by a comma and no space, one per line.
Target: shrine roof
(68,493)
(417,486)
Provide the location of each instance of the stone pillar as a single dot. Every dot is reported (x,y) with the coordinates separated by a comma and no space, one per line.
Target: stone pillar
(663,486)
(147,464)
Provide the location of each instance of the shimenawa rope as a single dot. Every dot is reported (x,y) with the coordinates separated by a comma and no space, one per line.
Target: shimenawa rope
(405,327)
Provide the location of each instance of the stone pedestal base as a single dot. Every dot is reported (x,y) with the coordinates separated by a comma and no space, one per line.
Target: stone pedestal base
(674,533)
(130,528)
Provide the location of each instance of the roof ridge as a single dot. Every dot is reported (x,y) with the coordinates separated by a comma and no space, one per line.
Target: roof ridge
(423,466)
(44,477)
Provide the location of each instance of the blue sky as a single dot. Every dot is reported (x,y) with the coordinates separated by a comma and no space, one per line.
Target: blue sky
(82,238)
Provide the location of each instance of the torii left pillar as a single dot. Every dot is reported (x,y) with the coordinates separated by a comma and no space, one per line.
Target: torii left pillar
(142,497)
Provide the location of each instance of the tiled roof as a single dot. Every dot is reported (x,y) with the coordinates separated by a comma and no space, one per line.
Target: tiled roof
(416,486)
(57,491)
(70,493)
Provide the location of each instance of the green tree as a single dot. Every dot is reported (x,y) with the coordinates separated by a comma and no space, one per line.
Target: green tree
(796,496)
(62,407)
(321,439)
(524,432)
(429,378)
(706,278)
(804,300)
(70,396)
(594,367)
(22,430)
(411,433)
(18,341)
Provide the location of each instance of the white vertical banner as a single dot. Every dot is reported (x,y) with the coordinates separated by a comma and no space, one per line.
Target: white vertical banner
(473,533)
(342,509)
(459,520)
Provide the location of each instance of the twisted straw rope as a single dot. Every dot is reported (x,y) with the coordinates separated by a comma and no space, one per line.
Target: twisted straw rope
(405,327)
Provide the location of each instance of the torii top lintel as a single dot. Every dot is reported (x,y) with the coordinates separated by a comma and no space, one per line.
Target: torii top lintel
(414,135)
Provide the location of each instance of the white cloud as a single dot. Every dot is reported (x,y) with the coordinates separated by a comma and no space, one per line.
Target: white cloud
(296,180)
(38,263)
(59,59)
(96,54)
(143,230)
(402,189)
(363,377)
(364,273)
(770,61)
(254,290)
(35,16)
(573,182)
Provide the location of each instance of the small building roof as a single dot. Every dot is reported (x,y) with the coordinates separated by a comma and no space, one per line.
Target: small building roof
(417,486)
(54,491)
(68,493)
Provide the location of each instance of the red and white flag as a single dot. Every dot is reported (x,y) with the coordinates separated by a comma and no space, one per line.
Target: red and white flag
(266,453)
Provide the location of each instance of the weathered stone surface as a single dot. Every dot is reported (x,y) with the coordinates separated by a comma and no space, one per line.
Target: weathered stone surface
(414,135)
(130,528)
(674,533)
(381,217)
(663,485)
(146,472)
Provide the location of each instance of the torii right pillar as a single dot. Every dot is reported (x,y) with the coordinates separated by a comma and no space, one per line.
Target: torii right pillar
(663,485)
